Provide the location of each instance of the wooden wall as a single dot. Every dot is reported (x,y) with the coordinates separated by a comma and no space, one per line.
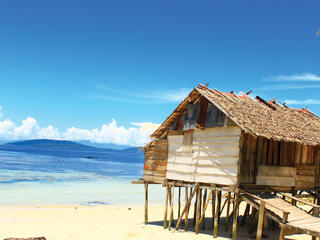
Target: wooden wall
(278,163)
(155,165)
(207,156)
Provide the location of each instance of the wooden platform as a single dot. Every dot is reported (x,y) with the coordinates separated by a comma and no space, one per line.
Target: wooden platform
(297,220)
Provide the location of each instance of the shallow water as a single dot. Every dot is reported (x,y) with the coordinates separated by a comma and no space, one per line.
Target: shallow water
(37,179)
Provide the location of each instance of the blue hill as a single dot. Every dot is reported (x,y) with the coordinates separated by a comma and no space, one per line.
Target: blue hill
(64,148)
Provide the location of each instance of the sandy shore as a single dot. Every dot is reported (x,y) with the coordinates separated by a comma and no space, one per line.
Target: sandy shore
(101,222)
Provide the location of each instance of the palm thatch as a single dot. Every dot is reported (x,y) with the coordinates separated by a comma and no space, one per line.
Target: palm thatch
(256,116)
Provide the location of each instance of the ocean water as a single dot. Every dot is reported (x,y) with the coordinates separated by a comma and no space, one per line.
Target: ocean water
(27,178)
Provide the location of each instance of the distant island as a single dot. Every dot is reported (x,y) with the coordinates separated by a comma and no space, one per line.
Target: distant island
(65,148)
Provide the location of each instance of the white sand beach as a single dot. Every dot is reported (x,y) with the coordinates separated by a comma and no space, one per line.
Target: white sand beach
(74,222)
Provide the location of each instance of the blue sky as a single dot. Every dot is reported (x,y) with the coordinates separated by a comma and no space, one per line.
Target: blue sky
(81,64)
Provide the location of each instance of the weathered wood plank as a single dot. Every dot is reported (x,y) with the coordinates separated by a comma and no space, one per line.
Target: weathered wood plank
(281,171)
(217,132)
(275,181)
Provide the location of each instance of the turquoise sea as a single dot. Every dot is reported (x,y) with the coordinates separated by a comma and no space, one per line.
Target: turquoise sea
(30,178)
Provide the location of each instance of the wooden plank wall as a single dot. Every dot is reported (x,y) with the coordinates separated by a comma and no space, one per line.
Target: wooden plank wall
(155,164)
(259,152)
(213,157)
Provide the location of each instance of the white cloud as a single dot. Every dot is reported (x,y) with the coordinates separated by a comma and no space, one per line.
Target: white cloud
(302,77)
(302,102)
(289,87)
(107,133)
(137,96)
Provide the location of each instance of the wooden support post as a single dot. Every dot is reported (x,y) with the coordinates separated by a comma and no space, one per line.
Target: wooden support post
(294,202)
(213,207)
(235,215)
(246,213)
(216,215)
(165,222)
(260,221)
(179,201)
(282,232)
(198,206)
(204,207)
(195,209)
(187,205)
(171,207)
(186,222)
(219,205)
(228,210)
(146,203)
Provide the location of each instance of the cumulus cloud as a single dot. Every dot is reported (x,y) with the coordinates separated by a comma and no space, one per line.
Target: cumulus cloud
(137,135)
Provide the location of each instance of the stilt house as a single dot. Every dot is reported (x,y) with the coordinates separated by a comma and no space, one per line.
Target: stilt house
(247,146)
(227,139)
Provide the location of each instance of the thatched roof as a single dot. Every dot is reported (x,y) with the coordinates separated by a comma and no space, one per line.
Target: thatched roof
(256,116)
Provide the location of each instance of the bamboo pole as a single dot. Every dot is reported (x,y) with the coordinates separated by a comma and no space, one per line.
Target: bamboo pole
(187,205)
(236,202)
(171,207)
(260,221)
(165,222)
(186,223)
(146,203)
(198,206)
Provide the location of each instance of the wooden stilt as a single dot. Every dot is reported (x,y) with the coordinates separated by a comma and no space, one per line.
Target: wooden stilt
(205,206)
(282,233)
(165,222)
(213,208)
(219,205)
(260,221)
(179,201)
(203,211)
(198,206)
(146,203)
(171,207)
(186,223)
(246,213)
(253,220)
(187,205)
(235,216)
(216,215)
(294,202)
(228,210)
(195,208)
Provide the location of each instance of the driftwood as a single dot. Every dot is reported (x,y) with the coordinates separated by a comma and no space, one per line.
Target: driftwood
(33,238)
